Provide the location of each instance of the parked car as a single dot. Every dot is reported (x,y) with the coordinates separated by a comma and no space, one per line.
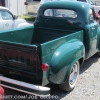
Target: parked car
(1,93)
(9,21)
(97,13)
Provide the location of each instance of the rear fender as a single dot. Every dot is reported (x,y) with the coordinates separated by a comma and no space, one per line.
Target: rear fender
(63,59)
(70,67)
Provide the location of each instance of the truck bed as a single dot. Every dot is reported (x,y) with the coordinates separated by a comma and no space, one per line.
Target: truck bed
(32,36)
(43,35)
(21,49)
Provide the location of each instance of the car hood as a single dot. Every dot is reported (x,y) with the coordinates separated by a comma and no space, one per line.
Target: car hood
(21,20)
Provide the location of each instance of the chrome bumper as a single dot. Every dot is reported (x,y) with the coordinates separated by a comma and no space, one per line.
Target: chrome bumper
(24,87)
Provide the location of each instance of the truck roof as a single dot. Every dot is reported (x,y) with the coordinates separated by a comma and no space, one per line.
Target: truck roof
(66,4)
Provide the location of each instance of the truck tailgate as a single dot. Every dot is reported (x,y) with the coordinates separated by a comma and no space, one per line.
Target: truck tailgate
(19,57)
(19,67)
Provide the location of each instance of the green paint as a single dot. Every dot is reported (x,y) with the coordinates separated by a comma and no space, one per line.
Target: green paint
(59,42)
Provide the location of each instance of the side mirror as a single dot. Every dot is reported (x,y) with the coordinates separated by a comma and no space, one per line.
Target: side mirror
(15,17)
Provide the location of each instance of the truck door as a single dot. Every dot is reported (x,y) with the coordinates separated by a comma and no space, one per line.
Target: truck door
(93,32)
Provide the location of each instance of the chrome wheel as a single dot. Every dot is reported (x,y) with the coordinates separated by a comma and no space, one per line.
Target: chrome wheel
(74,74)
(72,78)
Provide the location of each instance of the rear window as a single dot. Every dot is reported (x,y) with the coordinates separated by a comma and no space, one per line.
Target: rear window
(60,13)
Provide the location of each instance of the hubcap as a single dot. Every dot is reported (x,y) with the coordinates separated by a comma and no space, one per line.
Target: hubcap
(73,74)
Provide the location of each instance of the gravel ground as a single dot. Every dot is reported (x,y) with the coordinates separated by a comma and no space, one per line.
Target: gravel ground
(87,88)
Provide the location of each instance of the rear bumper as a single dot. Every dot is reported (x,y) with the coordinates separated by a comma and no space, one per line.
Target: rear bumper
(24,87)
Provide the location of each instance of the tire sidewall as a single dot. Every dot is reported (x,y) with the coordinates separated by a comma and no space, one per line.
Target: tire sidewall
(71,87)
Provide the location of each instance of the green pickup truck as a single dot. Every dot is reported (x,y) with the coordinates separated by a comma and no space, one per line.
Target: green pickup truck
(50,52)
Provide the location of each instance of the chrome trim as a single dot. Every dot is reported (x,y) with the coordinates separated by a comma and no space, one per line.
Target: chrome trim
(23,84)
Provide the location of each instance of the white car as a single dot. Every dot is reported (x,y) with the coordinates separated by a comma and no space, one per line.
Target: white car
(9,21)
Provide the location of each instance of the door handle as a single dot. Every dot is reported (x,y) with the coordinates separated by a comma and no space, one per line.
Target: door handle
(6,24)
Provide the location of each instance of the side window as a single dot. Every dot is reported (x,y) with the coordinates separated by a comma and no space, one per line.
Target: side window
(91,17)
(6,15)
(60,13)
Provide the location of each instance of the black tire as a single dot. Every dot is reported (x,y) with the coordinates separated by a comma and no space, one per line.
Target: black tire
(69,85)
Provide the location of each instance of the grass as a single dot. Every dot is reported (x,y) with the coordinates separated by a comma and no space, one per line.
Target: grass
(28,18)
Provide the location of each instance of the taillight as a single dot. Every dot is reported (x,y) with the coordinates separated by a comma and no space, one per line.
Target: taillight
(25,3)
(45,67)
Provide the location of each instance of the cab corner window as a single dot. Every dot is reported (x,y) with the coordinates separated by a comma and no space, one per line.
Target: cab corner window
(60,13)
